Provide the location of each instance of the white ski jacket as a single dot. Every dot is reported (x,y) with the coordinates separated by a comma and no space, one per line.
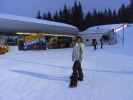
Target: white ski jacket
(78,52)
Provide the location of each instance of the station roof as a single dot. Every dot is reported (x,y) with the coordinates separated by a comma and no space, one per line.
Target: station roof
(104,29)
(13,23)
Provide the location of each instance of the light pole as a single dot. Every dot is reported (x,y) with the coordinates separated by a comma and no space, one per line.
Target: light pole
(123,39)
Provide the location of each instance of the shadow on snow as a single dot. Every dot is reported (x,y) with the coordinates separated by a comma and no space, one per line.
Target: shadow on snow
(42,76)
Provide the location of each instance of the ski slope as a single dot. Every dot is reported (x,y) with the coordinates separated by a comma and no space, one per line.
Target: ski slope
(44,75)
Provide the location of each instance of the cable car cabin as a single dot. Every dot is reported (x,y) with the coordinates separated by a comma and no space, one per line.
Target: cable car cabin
(32,42)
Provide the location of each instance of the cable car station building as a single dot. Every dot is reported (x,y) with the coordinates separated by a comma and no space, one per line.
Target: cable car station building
(32,33)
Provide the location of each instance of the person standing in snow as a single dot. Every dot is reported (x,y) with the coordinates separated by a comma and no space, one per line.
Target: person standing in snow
(77,57)
(101,42)
(94,43)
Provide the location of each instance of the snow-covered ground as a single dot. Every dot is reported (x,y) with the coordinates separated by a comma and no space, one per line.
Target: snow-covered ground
(44,75)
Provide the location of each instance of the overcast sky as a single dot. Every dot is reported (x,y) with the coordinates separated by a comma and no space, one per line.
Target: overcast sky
(30,7)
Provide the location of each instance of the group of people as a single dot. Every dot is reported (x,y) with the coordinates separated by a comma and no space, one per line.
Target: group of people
(94,43)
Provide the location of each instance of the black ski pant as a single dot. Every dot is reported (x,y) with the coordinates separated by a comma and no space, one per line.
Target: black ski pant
(77,70)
